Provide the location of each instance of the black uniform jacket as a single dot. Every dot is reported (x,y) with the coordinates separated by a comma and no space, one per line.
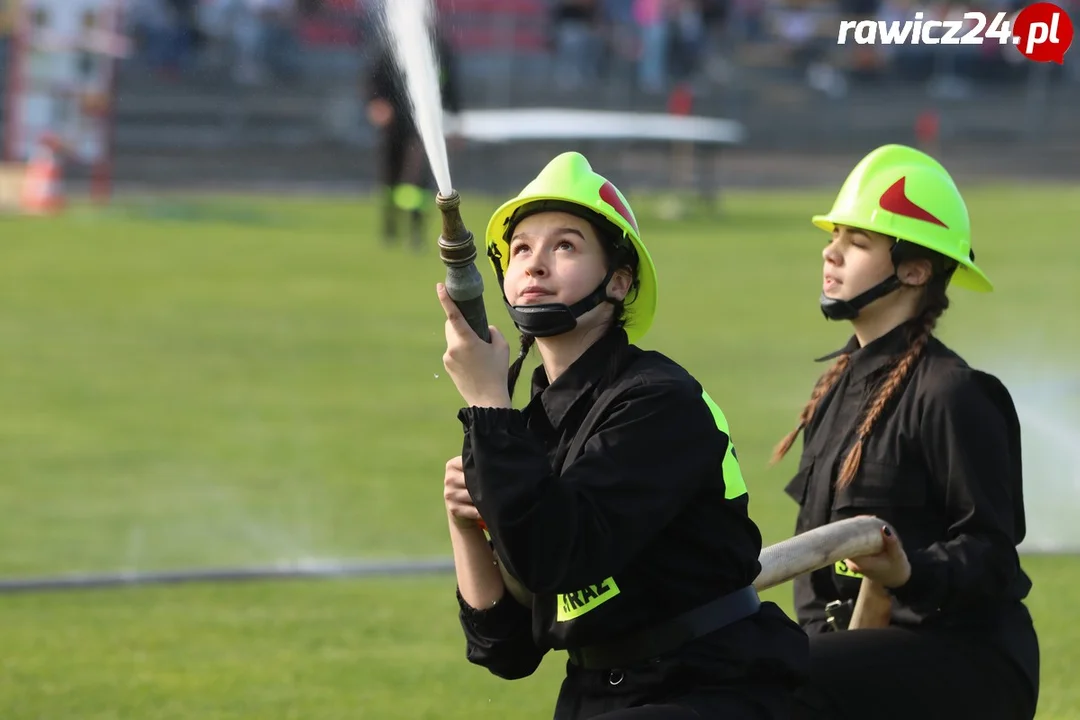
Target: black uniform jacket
(641,525)
(943,466)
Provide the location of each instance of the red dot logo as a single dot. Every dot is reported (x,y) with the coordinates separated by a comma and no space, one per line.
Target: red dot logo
(1043,32)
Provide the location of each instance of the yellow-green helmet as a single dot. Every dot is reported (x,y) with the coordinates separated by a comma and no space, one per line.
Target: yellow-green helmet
(569,184)
(904,193)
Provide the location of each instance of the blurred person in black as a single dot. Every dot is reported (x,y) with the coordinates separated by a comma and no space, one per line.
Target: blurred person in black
(405,173)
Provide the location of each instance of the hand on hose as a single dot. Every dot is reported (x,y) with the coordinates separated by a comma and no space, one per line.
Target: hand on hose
(478,369)
(890,567)
(459,504)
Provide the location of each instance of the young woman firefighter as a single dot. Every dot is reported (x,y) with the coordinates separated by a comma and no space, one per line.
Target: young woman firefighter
(901,428)
(615,496)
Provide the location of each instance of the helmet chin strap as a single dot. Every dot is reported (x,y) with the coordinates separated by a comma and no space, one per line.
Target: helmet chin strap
(834,309)
(548,319)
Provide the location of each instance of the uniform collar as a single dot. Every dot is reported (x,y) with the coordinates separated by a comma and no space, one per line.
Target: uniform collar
(578,381)
(877,354)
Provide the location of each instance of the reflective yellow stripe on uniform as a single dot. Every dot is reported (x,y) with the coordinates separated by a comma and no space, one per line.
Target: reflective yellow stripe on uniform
(734,485)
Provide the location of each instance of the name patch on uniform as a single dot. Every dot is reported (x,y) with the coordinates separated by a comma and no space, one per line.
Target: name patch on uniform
(843,569)
(575,604)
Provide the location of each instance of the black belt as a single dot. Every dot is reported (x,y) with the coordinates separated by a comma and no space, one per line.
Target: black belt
(669,635)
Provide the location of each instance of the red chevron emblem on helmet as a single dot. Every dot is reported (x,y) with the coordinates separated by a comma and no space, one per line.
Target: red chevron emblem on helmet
(609,195)
(895,200)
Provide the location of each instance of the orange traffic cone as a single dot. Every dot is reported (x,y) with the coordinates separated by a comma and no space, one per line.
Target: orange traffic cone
(43,192)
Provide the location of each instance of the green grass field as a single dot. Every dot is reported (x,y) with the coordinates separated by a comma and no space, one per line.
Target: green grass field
(244,381)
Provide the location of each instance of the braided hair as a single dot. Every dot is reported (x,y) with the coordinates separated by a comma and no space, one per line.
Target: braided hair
(823,385)
(921,330)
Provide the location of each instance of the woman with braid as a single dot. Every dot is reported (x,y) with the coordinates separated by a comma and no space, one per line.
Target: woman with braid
(614,496)
(901,428)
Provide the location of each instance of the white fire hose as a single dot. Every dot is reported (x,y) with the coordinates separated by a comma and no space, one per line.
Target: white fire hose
(818,548)
(804,553)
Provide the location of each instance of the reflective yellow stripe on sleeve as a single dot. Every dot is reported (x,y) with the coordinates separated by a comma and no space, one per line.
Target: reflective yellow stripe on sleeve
(734,485)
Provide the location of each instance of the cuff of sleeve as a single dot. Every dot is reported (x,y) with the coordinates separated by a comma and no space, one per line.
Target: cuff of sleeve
(920,591)
(485,419)
(504,619)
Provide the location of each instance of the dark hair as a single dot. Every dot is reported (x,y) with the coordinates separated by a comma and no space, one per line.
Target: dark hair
(619,253)
(935,302)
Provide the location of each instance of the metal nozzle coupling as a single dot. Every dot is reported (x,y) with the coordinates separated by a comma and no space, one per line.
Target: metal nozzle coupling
(456,244)
(458,252)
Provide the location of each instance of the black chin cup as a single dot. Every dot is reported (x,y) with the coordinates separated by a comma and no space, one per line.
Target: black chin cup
(834,309)
(548,319)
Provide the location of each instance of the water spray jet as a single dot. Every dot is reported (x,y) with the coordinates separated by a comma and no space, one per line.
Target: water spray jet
(409,25)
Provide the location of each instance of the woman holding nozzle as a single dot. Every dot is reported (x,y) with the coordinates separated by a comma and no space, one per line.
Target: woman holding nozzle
(900,427)
(615,496)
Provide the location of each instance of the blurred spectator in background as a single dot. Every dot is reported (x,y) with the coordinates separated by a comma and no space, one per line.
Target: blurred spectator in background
(405,172)
(795,24)
(806,33)
(265,40)
(8,13)
(186,32)
(652,20)
(620,46)
(9,10)
(750,16)
(167,33)
(576,26)
(687,46)
(278,42)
